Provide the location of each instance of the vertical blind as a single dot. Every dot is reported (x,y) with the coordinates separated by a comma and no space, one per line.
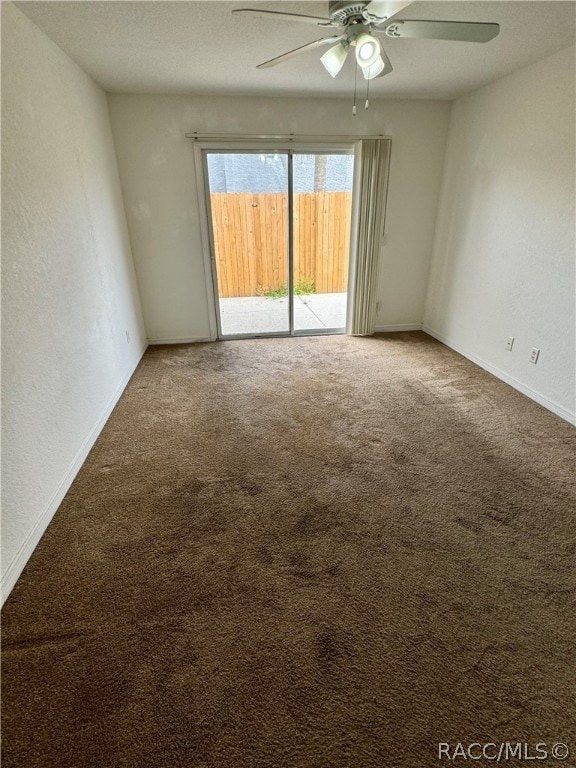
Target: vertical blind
(371,211)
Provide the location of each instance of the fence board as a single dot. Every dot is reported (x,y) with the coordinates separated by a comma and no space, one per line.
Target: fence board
(250,241)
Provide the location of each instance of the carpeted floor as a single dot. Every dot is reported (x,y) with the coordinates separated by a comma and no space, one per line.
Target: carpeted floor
(323,552)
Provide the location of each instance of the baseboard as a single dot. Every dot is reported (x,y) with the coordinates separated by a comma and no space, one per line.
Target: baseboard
(12,574)
(550,405)
(398,328)
(181,340)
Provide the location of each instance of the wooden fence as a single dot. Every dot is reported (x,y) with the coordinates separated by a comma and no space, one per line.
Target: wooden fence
(250,240)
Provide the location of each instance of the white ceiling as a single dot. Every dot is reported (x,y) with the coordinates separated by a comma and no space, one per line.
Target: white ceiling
(201,48)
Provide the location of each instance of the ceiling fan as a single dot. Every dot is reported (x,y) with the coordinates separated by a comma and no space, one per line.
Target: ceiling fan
(357,21)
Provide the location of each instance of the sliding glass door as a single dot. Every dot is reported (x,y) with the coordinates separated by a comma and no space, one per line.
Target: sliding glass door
(249,217)
(280,235)
(322,204)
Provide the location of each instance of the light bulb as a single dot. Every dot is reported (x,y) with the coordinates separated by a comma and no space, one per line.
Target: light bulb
(367,50)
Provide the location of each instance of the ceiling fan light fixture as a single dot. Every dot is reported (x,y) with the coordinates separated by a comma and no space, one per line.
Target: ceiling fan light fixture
(374,69)
(334,58)
(367,50)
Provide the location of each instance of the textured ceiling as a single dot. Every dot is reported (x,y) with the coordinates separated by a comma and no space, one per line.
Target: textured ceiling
(200,48)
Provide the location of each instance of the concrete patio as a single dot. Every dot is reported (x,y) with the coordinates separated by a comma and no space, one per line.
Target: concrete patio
(259,314)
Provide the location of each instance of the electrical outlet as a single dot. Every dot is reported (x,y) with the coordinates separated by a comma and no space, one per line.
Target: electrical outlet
(534,355)
(509,343)
(377,307)
(128,337)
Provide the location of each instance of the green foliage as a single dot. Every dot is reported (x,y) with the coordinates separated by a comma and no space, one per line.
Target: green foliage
(276,293)
(304,287)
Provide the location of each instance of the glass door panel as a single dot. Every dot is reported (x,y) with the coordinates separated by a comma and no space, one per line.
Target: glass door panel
(322,207)
(248,203)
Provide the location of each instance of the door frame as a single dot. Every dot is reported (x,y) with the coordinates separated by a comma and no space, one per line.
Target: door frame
(289,148)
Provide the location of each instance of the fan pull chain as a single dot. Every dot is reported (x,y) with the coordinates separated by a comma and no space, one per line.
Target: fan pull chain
(355,79)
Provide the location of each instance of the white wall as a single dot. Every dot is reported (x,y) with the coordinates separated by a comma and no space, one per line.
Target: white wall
(68,283)
(159,182)
(503,262)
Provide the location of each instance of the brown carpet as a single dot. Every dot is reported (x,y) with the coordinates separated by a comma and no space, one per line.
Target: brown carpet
(301,553)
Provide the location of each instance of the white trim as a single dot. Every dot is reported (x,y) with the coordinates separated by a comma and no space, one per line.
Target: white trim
(18,563)
(181,340)
(398,328)
(550,405)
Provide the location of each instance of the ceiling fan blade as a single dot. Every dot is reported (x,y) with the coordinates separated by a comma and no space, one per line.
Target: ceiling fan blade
(466,31)
(297,51)
(260,14)
(385,9)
